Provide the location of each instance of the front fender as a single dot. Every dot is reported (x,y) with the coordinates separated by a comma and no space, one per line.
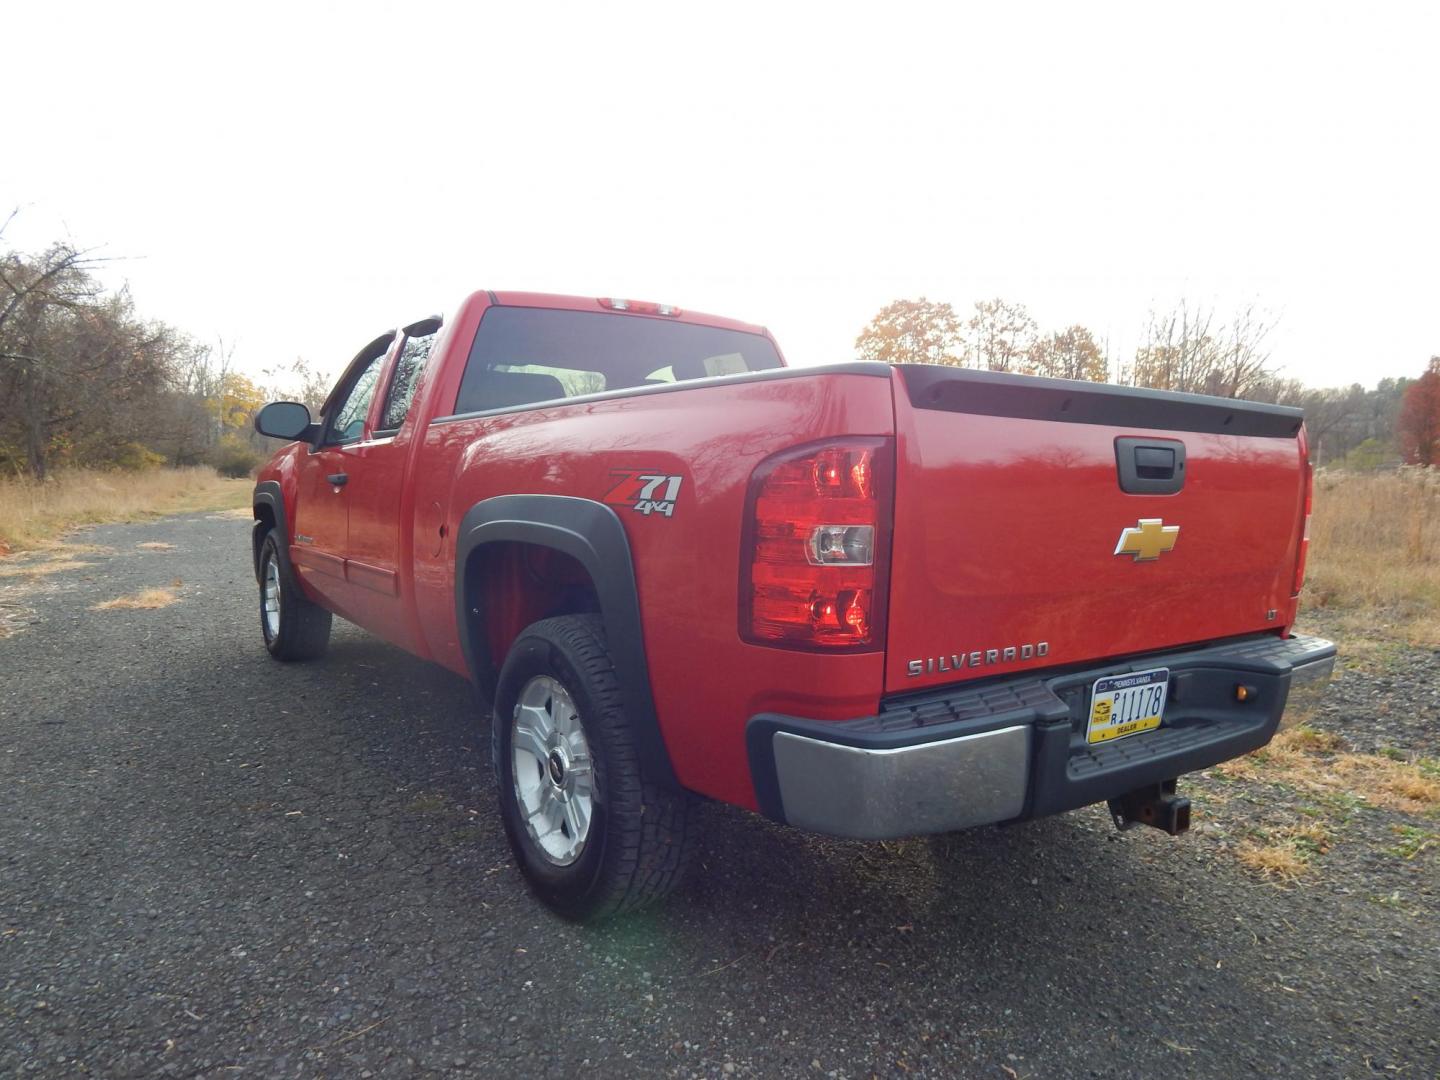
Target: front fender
(269,494)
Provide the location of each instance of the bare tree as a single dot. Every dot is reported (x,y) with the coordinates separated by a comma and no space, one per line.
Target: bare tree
(1178,350)
(1189,349)
(195,385)
(37,296)
(297,381)
(1243,364)
(80,372)
(1001,335)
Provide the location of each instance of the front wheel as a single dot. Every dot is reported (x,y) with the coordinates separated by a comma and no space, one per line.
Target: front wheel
(593,837)
(294,627)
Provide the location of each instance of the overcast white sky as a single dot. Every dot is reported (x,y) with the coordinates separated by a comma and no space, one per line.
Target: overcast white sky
(297,177)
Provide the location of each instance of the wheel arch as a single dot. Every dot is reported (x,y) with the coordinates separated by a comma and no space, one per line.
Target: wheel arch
(268,506)
(591,534)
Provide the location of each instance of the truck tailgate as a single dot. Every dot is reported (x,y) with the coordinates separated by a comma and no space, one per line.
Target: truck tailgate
(1015,545)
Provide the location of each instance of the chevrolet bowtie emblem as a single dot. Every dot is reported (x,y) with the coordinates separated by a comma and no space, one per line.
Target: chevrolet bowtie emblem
(1147,540)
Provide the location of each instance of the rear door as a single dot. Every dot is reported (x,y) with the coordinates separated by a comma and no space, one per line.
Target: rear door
(377,491)
(1044,522)
(321,539)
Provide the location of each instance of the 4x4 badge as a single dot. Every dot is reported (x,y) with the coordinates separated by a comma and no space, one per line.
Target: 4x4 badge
(645,492)
(1148,539)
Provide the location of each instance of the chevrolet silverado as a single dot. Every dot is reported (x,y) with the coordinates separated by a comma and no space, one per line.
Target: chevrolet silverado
(863,600)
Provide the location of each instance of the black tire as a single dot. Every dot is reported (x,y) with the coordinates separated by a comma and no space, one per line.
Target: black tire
(303,630)
(640,836)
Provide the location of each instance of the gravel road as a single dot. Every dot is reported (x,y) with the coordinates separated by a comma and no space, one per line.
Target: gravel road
(212,864)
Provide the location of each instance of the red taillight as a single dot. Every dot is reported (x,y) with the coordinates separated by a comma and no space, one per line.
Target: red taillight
(639,307)
(1303,552)
(814,559)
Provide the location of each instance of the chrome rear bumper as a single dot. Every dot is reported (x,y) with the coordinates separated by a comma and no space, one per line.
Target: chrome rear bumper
(877,793)
(1007,749)
(1307,687)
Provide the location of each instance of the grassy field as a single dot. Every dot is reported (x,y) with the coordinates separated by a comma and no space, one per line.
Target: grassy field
(1375,556)
(35,515)
(1374,586)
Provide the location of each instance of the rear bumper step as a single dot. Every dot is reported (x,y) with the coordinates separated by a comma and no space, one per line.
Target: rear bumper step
(1014,748)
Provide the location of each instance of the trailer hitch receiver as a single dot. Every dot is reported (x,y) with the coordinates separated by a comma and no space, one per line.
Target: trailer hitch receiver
(1154,804)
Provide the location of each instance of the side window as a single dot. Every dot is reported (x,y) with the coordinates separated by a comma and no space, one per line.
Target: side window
(409,374)
(349,422)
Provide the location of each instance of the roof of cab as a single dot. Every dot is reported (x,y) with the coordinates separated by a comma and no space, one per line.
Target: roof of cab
(593,303)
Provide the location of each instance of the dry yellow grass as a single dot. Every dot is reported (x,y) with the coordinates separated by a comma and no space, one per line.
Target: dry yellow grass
(34,515)
(1284,855)
(1305,738)
(41,569)
(144,600)
(1275,860)
(1315,761)
(1285,754)
(1375,553)
(1384,782)
(1312,836)
(55,559)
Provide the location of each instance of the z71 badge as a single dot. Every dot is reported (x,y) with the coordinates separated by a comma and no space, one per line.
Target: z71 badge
(643,491)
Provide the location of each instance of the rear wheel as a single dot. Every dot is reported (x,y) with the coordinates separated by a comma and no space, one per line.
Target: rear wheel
(294,628)
(592,836)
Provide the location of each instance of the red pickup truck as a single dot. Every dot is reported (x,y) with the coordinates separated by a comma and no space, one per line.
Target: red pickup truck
(863,600)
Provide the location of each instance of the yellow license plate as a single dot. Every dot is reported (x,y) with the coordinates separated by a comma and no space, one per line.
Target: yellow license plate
(1122,705)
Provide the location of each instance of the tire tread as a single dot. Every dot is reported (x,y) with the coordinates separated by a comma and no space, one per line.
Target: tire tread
(304,625)
(651,831)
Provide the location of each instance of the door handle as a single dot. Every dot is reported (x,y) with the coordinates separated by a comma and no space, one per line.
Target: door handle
(339,479)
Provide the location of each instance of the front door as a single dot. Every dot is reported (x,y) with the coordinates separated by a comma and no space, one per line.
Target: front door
(317,548)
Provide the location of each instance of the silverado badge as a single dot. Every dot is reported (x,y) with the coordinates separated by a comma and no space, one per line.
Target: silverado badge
(1147,540)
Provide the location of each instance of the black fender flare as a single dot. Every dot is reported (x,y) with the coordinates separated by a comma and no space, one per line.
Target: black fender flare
(268,494)
(591,534)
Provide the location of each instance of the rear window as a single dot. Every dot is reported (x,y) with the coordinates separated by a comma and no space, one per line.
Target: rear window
(522,356)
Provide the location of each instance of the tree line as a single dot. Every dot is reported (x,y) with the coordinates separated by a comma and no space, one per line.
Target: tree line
(86,381)
(1190,348)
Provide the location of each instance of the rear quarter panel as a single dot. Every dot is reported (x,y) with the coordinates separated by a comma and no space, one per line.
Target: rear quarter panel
(706,681)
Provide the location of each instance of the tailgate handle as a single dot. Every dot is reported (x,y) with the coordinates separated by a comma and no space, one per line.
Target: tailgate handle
(1150,466)
(1154,462)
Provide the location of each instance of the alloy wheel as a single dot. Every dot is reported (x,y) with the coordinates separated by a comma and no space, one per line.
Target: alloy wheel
(553,770)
